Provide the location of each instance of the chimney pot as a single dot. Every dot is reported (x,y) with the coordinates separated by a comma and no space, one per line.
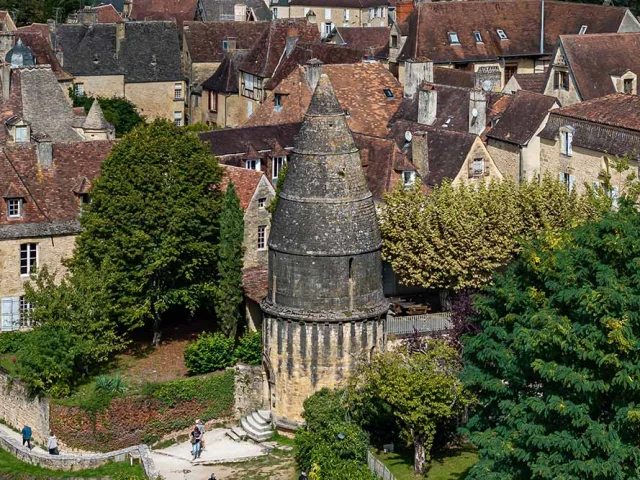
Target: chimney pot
(312,72)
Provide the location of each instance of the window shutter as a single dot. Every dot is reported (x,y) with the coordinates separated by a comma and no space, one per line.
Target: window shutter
(556,80)
(569,143)
(561,176)
(565,81)
(572,182)
(615,193)
(10,313)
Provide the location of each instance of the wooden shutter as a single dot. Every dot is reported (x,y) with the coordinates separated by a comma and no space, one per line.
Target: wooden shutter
(10,313)
(569,143)
(556,80)
(572,182)
(565,81)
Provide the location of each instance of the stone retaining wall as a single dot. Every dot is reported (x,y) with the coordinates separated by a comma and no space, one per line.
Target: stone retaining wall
(248,390)
(17,409)
(78,462)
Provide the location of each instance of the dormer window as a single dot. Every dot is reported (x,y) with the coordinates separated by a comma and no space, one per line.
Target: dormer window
(628,85)
(253,164)
(408,178)
(14,208)
(583,30)
(477,36)
(502,35)
(453,38)
(477,167)
(21,134)
(277,102)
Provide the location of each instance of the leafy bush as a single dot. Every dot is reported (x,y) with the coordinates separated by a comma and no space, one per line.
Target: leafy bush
(111,385)
(209,353)
(51,361)
(10,342)
(249,349)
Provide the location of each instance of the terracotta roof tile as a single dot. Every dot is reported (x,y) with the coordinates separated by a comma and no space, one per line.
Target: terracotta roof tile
(204,39)
(38,39)
(178,10)
(373,40)
(340,3)
(594,58)
(244,180)
(532,82)
(107,14)
(454,77)
(615,110)
(255,282)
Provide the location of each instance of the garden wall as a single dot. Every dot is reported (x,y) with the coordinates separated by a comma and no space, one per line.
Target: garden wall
(18,410)
(248,389)
(145,417)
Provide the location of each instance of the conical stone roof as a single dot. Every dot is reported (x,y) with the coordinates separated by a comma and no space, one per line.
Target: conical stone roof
(325,241)
(95,119)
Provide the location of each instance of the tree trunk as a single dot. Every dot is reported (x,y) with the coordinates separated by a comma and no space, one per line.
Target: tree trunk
(157,332)
(418,456)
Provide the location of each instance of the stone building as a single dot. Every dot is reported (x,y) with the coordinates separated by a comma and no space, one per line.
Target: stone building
(325,306)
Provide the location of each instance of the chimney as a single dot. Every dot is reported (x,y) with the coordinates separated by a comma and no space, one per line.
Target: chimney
(6,81)
(231,44)
(126,8)
(427,105)
(416,72)
(120,35)
(477,111)
(240,12)
(420,153)
(44,148)
(60,57)
(290,42)
(312,72)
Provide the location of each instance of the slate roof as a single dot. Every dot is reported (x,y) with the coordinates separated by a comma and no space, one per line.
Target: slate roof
(166,10)
(532,82)
(373,40)
(454,77)
(382,161)
(359,88)
(238,141)
(594,58)
(45,105)
(430,23)
(522,118)
(340,3)
(223,10)
(608,124)
(269,48)
(304,51)
(244,180)
(39,43)
(204,39)
(150,51)
(50,205)
(225,78)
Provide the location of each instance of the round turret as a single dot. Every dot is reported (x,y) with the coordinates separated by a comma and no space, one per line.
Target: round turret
(20,56)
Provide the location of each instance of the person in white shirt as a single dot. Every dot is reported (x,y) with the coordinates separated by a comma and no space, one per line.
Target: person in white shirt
(52,444)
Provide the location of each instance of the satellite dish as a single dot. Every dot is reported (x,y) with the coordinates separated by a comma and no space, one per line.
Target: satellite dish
(474,112)
(408,136)
(487,85)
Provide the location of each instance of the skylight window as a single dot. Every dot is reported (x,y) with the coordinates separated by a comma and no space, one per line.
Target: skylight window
(477,36)
(453,37)
(583,30)
(502,35)
(388,93)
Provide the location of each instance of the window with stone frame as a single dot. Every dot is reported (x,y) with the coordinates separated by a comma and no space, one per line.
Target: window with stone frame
(627,85)
(21,134)
(79,89)
(177,118)
(561,80)
(253,164)
(262,237)
(14,208)
(213,101)
(569,180)
(25,313)
(408,178)
(177,91)
(262,202)
(477,167)
(28,258)
(566,140)
(277,102)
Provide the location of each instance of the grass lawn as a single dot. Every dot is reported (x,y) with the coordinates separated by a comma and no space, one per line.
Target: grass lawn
(448,465)
(11,467)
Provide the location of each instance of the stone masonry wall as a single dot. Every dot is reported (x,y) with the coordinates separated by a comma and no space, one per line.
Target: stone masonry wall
(18,410)
(253,218)
(155,100)
(506,157)
(102,85)
(248,389)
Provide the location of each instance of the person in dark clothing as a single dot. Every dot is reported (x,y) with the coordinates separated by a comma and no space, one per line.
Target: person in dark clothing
(303,475)
(26,436)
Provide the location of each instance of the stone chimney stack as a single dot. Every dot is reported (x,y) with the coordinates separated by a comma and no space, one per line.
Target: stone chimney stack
(291,40)
(240,12)
(416,72)
(477,111)
(312,72)
(120,35)
(427,105)
(44,147)
(420,153)
(126,8)
(6,80)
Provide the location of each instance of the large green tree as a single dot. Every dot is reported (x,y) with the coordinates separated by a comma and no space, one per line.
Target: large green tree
(556,366)
(456,237)
(153,225)
(230,260)
(421,385)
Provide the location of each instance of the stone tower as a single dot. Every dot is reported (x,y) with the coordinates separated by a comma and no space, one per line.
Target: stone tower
(325,307)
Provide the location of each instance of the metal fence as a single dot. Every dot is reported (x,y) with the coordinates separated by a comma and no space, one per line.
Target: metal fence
(378,468)
(430,322)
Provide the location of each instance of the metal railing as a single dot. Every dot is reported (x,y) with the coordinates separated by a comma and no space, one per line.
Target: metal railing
(378,468)
(427,323)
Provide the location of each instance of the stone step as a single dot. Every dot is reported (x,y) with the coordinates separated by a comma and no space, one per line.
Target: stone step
(257,426)
(258,420)
(253,434)
(265,414)
(233,435)
(239,432)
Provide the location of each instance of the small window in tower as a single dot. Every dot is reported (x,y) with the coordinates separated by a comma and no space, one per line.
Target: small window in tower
(262,202)
(277,102)
(388,93)
(453,38)
(350,268)
(501,34)
(583,30)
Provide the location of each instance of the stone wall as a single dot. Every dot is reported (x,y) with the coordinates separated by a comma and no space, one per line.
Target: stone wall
(102,85)
(248,389)
(17,409)
(155,100)
(254,217)
(51,252)
(506,157)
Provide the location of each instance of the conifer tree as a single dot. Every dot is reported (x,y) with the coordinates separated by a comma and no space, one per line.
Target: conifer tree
(228,296)
(556,366)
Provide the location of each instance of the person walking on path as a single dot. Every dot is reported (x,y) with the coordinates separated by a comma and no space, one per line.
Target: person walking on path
(53,445)
(200,427)
(196,437)
(26,436)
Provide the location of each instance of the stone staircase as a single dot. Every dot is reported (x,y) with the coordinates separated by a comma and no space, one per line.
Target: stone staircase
(256,426)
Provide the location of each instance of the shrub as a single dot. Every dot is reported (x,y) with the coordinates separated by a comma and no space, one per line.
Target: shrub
(110,385)
(10,342)
(209,353)
(249,349)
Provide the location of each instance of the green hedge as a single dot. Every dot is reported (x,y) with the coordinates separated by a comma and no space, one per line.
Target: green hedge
(217,389)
